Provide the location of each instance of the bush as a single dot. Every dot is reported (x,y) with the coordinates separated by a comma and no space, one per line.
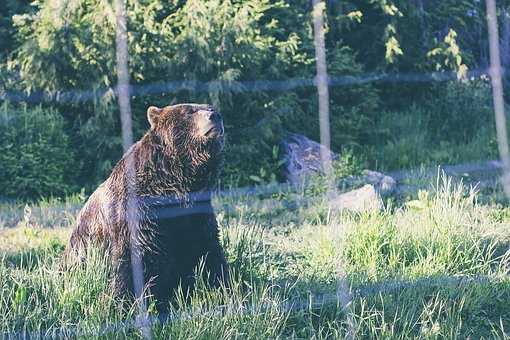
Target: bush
(455,124)
(36,157)
(223,43)
(404,139)
(459,110)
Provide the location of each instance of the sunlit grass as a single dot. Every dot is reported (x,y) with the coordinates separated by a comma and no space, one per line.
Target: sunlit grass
(435,265)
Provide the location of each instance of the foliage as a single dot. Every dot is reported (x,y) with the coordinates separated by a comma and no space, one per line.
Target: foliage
(347,165)
(456,127)
(212,51)
(220,43)
(36,155)
(464,108)
(7,9)
(452,56)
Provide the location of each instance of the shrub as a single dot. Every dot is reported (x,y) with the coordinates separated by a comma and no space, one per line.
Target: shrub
(36,157)
(457,125)
(460,109)
(222,43)
(403,141)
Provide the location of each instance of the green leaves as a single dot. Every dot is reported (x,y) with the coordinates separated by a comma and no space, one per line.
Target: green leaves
(36,158)
(392,45)
(355,16)
(450,53)
(217,46)
(388,7)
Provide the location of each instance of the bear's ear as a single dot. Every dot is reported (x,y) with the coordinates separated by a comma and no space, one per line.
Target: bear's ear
(153,113)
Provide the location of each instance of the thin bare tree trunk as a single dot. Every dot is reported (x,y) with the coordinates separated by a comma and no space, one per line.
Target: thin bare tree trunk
(497,92)
(343,291)
(132,215)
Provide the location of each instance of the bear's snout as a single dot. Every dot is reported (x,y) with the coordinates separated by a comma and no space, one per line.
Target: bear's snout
(210,123)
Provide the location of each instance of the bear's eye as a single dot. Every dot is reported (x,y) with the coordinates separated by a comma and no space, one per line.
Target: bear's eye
(189,112)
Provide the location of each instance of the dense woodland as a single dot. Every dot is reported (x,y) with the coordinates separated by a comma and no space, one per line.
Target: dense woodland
(59,121)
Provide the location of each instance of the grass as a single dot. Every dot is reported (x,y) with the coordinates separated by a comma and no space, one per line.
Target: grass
(430,265)
(407,140)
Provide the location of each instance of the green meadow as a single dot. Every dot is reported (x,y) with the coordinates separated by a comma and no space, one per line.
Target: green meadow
(432,264)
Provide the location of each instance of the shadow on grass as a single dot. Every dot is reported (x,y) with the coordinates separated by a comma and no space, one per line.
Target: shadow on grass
(31,258)
(439,306)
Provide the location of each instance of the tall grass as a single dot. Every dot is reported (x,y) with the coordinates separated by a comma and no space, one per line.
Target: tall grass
(40,301)
(228,312)
(435,266)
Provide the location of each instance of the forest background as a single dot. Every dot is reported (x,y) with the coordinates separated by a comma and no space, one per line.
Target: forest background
(407,83)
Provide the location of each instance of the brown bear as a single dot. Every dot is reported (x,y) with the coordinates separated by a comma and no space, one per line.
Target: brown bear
(154,213)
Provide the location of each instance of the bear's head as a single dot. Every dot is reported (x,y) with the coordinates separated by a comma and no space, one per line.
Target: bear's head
(193,133)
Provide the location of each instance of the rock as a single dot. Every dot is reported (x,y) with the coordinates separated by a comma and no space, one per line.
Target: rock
(302,157)
(363,199)
(384,185)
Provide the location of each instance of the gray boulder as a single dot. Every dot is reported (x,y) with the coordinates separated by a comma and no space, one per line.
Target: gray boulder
(384,185)
(359,193)
(302,157)
(367,198)
(363,199)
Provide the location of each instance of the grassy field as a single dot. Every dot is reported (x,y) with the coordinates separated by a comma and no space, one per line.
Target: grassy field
(431,265)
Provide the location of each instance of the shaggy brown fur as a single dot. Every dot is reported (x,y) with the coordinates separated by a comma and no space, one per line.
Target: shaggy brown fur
(177,160)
